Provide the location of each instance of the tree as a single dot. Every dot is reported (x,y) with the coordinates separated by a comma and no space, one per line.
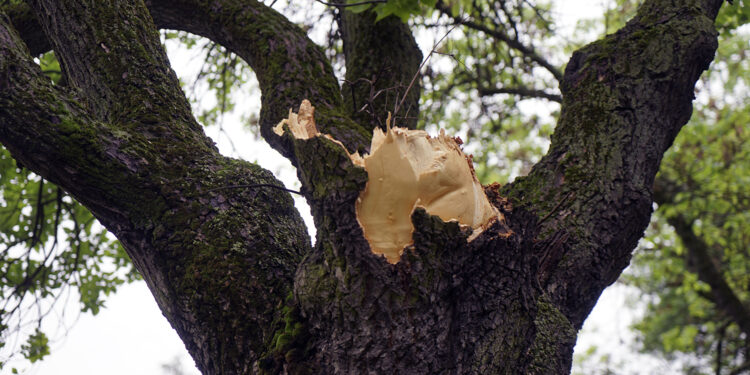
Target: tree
(692,266)
(224,251)
(698,274)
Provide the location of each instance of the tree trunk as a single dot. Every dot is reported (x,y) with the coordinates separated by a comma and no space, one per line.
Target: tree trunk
(382,61)
(233,269)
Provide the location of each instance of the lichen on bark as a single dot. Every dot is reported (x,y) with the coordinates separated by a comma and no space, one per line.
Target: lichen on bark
(232,268)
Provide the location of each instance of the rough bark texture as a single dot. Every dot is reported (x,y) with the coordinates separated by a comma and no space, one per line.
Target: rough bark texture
(625,98)
(382,59)
(233,270)
(124,143)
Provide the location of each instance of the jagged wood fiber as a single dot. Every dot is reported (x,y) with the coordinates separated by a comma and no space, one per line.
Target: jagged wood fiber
(233,270)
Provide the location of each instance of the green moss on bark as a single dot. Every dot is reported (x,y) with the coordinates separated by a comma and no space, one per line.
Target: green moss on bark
(554,341)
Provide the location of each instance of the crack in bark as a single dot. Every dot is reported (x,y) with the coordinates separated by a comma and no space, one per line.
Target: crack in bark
(221,265)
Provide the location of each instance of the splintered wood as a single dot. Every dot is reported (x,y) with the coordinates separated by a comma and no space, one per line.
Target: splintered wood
(407,169)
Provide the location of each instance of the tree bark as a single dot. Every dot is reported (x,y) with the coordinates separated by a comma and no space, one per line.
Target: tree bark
(625,98)
(124,143)
(382,67)
(233,270)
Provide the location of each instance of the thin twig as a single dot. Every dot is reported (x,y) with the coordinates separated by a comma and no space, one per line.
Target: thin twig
(514,43)
(413,79)
(520,91)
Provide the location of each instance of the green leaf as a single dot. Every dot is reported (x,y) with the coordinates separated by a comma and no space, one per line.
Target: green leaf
(732,16)
(36,347)
(358,8)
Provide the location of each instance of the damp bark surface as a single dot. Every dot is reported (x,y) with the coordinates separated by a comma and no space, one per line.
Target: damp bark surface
(234,271)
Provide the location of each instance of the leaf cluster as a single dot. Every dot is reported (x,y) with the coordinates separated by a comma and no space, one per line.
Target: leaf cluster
(51,249)
(494,82)
(708,171)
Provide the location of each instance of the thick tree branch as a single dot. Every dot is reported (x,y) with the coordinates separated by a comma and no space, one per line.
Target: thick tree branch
(112,85)
(27,96)
(267,41)
(218,263)
(288,65)
(624,100)
(381,60)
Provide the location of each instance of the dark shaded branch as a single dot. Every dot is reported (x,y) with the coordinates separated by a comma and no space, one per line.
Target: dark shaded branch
(625,98)
(523,92)
(288,65)
(500,35)
(742,368)
(381,60)
(704,265)
(25,22)
(700,260)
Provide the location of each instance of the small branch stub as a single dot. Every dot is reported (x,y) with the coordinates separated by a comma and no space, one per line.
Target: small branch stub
(302,124)
(408,169)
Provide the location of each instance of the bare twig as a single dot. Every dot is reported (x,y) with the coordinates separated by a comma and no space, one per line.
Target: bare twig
(413,79)
(520,91)
(527,51)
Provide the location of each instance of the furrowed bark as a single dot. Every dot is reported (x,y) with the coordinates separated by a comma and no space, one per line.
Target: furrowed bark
(219,262)
(288,65)
(624,100)
(382,59)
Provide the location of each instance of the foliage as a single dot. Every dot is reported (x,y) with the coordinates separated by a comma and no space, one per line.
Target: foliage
(494,82)
(50,247)
(36,347)
(707,170)
(733,15)
(711,164)
(403,9)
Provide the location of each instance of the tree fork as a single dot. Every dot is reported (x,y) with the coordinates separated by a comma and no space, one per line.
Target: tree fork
(227,267)
(218,264)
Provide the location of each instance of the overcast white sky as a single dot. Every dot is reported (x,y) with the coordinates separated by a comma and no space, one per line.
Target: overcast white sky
(130,335)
